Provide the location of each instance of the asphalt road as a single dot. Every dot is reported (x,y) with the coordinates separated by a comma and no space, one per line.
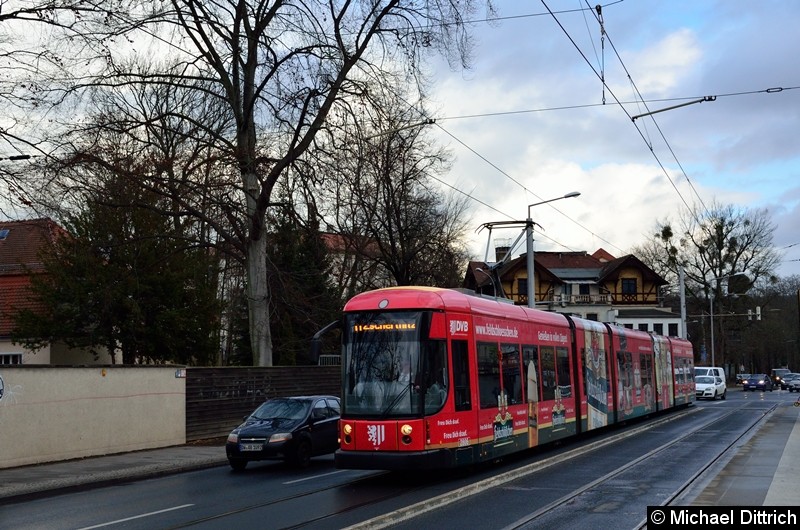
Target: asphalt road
(273,495)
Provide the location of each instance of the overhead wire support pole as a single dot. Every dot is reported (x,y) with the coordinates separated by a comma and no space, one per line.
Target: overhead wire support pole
(706,98)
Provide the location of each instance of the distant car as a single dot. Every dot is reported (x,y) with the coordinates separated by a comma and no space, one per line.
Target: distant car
(787,379)
(794,385)
(709,370)
(289,428)
(741,377)
(758,382)
(777,375)
(709,387)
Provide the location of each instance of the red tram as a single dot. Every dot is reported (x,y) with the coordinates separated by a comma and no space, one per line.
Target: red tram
(438,378)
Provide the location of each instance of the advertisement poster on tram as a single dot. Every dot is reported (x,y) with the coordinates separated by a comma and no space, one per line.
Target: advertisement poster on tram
(595,377)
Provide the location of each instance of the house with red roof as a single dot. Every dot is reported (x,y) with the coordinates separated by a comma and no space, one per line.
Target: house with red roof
(596,286)
(21,243)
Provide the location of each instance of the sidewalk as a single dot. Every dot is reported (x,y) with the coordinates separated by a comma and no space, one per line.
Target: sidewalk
(99,470)
(764,472)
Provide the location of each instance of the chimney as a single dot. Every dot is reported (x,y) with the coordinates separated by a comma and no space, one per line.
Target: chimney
(501,249)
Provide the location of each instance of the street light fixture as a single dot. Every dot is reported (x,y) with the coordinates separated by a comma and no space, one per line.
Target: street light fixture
(529,241)
(491,278)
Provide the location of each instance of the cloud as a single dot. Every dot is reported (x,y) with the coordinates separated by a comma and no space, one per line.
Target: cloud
(539,128)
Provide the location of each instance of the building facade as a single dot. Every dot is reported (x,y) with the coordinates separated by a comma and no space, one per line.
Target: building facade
(596,286)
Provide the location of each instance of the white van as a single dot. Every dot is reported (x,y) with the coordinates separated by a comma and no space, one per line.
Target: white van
(709,370)
(715,372)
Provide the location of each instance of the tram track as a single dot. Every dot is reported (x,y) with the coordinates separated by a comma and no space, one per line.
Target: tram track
(384,489)
(723,455)
(641,466)
(306,496)
(385,486)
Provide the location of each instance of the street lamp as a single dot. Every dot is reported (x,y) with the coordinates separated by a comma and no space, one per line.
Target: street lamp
(529,241)
(491,278)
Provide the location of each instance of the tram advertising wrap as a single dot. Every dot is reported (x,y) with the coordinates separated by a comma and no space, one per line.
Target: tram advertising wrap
(438,378)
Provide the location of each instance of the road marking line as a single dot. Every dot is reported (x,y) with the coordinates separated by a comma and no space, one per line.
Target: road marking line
(314,477)
(138,516)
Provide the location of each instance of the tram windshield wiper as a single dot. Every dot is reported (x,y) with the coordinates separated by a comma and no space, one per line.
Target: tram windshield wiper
(395,401)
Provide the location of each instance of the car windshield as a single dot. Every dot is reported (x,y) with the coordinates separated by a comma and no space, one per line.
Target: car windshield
(290,409)
(704,380)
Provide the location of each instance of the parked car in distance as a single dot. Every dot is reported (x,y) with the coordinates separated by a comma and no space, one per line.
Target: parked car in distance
(741,377)
(758,382)
(787,379)
(709,387)
(794,385)
(777,375)
(289,428)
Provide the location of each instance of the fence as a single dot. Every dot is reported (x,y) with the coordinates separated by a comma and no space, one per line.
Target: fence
(218,398)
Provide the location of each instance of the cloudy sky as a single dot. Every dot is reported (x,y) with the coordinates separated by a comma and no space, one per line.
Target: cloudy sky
(528,122)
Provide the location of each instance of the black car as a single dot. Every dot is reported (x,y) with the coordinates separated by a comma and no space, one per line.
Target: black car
(758,382)
(289,428)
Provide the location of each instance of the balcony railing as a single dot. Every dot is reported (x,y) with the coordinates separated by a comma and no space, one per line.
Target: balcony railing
(588,299)
(583,299)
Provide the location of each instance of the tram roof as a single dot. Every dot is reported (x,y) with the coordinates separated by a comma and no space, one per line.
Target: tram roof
(419,297)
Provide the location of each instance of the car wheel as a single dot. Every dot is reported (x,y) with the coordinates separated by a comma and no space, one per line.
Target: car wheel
(724,394)
(237,464)
(302,454)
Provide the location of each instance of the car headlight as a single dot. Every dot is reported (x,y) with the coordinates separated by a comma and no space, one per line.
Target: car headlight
(233,437)
(280,437)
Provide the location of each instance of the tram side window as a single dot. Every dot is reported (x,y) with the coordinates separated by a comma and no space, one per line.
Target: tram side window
(512,377)
(685,369)
(562,373)
(646,371)
(488,374)
(531,371)
(547,356)
(461,380)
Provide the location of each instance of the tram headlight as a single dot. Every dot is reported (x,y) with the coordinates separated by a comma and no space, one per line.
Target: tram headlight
(405,430)
(347,430)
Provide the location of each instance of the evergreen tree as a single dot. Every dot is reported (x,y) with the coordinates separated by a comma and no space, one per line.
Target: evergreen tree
(123,281)
(303,300)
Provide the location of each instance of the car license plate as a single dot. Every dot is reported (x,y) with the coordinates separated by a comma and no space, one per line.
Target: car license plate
(250,447)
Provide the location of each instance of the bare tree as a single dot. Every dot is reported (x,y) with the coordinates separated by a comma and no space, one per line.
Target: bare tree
(41,43)
(278,68)
(714,247)
(397,226)
(715,243)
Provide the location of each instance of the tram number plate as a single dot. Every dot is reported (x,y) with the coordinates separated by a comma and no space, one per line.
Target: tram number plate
(250,447)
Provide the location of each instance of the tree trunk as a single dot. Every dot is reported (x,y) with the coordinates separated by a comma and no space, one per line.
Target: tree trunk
(257,288)
(258,300)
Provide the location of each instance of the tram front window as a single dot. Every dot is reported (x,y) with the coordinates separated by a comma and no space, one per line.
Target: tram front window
(389,369)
